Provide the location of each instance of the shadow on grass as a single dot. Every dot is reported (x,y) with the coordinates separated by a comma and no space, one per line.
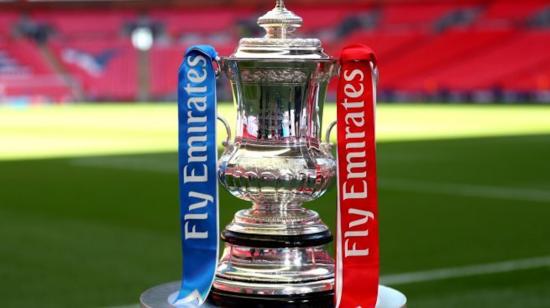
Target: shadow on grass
(99,230)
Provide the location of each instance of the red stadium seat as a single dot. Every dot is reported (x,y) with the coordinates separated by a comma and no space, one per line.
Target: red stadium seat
(322,18)
(113,75)
(534,78)
(506,14)
(7,20)
(29,74)
(164,66)
(81,24)
(490,67)
(416,15)
(385,43)
(185,21)
(435,54)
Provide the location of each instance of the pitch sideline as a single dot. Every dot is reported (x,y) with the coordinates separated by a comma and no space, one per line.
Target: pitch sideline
(466,271)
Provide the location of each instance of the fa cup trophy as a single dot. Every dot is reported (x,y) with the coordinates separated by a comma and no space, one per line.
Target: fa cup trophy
(275,252)
(277,161)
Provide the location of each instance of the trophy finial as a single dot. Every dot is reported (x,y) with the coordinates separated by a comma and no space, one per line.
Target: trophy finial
(279,22)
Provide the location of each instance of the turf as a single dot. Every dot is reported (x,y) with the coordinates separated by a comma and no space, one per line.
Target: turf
(83,130)
(88,211)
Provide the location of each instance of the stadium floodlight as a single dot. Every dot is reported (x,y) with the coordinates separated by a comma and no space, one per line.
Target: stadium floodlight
(142,38)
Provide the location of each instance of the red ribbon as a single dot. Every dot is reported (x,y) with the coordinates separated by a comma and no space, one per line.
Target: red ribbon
(357,260)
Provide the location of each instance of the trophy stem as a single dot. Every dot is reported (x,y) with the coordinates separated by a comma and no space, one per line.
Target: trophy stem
(277,220)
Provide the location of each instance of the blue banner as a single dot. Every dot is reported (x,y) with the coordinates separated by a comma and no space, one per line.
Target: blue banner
(198,182)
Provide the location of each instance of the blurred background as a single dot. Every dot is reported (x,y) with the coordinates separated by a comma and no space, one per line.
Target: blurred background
(74,51)
(89,212)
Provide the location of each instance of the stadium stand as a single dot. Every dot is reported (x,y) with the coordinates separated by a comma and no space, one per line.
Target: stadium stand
(82,25)
(181,22)
(436,53)
(323,18)
(418,16)
(539,77)
(426,50)
(498,62)
(164,64)
(24,72)
(508,14)
(7,19)
(103,68)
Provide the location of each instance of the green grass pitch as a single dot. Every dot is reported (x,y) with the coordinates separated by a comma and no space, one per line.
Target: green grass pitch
(89,210)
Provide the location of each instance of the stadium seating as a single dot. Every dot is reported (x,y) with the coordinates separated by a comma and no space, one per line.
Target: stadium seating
(7,19)
(422,47)
(316,19)
(413,15)
(435,54)
(490,68)
(535,78)
(385,43)
(508,13)
(24,73)
(105,69)
(85,24)
(181,22)
(165,62)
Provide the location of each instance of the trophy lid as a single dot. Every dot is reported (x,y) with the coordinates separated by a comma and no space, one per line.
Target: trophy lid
(279,41)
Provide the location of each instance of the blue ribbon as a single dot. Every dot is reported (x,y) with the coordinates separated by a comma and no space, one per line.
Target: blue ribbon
(198,183)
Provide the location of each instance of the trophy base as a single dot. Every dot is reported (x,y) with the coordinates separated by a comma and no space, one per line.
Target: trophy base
(265,271)
(162,296)
(219,298)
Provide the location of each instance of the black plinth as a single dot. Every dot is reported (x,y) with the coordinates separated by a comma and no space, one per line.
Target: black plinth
(276,241)
(228,300)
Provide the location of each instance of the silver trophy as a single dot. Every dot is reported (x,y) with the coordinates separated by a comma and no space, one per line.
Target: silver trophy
(275,253)
(277,161)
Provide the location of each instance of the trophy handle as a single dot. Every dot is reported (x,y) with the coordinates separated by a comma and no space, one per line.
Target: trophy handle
(327,145)
(227,140)
(329,130)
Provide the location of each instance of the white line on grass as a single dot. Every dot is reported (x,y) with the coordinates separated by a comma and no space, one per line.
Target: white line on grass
(484,191)
(466,271)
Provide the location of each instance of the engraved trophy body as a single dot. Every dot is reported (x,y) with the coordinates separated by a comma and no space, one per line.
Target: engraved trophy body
(277,161)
